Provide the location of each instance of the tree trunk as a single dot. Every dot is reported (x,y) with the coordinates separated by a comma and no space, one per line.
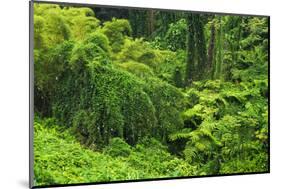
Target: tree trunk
(200,46)
(211,45)
(190,50)
(150,22)
(219,55)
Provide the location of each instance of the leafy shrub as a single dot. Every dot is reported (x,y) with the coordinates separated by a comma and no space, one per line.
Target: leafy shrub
(116,30)
(224,126)
(139,51)
(163,62)
(100,40)
(82,22)
(49,70)
(111,102)
(175,37)
(168,101)
(118,147)
(138,69)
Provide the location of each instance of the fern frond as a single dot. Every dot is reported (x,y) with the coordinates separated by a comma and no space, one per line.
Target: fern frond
(184,134)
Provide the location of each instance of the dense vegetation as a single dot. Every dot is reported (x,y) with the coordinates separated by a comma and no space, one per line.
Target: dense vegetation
(135,94)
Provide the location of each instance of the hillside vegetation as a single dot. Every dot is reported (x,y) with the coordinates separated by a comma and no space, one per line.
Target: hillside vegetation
(136,94)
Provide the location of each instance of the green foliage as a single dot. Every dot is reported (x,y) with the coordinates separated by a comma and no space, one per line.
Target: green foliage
(176,35)
(168,103)
(139,51)
(138,69)
(122,105)
(110,106)
(178,81)
(163,63)
(82,21)
(247,57)
(116,31)
(119,108)
(100,40)
(118,147)
(94,49)
(50,26)
(224,126)
(38,30)
(49,70)
(59,159)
